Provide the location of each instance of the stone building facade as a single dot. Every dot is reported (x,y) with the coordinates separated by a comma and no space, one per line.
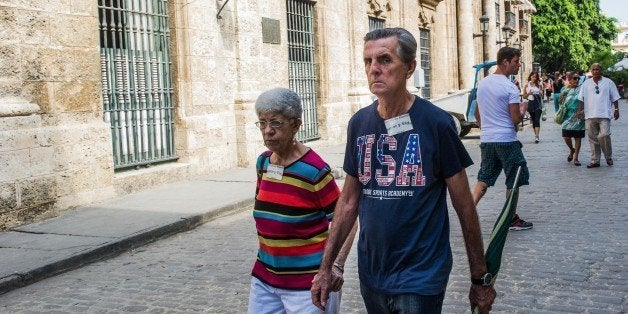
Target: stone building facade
(620,43)
(100,98)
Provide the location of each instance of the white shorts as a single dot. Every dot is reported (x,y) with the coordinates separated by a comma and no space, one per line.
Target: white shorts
(267,299)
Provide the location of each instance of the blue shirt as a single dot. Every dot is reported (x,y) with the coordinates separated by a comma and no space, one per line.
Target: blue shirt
(403,245)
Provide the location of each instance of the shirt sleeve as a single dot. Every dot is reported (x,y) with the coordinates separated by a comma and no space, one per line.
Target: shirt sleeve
(328,193)
(513,96)
(582,92)
(350,163)
(614,93)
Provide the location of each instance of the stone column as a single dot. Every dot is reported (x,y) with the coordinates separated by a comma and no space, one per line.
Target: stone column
(466,49)
(490,46)
(359,94)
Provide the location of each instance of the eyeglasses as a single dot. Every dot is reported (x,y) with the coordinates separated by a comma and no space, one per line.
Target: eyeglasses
(597,89)
(274,124)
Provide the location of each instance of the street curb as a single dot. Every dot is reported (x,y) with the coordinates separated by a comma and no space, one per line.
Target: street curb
(118,246)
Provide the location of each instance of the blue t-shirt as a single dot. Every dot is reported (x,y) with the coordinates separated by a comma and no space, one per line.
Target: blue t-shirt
(403,245)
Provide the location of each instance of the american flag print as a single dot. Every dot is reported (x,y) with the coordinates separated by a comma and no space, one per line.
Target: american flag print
(387,172)
(386,161)
(365,144)
(411,164)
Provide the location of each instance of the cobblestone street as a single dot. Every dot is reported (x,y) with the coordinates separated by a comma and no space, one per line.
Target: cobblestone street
(572,261)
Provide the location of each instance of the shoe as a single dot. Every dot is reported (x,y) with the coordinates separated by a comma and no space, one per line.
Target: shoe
(519,224)
(593,165)
(536,140)
(609,161)
(577,163)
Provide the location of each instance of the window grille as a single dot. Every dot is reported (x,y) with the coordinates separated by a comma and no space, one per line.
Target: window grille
(136,84)
(424,39)
(375,23)
(511,20)
(301,63)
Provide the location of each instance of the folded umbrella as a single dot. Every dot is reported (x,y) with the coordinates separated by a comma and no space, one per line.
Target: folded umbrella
(497,240)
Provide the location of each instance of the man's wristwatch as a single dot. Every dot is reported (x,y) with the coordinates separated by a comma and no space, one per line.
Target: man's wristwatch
(485,280)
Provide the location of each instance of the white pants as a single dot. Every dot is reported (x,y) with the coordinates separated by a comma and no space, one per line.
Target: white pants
(599,134)
(267,299)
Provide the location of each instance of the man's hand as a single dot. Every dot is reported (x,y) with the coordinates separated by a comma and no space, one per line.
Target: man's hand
(482,297)
(321,286)
(616,114)
(523,107)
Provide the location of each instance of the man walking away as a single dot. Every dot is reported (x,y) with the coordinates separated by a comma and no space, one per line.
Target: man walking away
(498,113)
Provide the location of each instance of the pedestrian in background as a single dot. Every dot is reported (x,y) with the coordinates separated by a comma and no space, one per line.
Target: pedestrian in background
(403,157)
(557,86)
(532,93)
(547,87)
(294,201)
(572,127)
(498,113)
(598,103)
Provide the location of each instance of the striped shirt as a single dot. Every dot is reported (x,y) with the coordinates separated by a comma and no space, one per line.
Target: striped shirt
(292,219)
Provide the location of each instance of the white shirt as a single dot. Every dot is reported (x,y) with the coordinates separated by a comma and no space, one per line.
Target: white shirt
(532,89)
(495,93)
(598,105)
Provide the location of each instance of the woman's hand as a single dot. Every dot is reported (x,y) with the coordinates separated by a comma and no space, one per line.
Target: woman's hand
(337,279)
(561,98)
(580,114)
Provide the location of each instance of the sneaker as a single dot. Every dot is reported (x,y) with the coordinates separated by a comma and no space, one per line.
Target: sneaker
(536,140)
(519,224)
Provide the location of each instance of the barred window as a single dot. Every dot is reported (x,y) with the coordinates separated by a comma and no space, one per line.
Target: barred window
(424,39)
(375,23)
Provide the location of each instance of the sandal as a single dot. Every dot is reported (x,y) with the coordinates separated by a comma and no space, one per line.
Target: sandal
(577,163)
(570,157)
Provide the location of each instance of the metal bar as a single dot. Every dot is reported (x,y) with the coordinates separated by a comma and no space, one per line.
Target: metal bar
(137,88)
(301,63)
(223,5)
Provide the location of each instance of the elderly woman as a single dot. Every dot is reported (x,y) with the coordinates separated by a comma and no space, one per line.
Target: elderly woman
(294,204)
(572,127)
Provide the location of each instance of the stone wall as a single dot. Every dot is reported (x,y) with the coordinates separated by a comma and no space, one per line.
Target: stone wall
(54,146)
(28,187)
(56,149)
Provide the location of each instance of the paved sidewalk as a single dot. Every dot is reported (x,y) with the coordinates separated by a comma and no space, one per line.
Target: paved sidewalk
(102,230)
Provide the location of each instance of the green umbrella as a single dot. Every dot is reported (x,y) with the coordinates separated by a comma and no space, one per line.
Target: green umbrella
(497,240)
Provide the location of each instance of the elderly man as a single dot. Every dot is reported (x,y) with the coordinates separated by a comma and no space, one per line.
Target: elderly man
(598,102)
(402,157)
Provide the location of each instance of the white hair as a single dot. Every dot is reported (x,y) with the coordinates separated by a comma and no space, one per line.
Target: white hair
(279,100)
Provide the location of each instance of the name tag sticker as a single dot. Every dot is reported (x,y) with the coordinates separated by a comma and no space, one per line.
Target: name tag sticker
(274,171)
(398,124)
